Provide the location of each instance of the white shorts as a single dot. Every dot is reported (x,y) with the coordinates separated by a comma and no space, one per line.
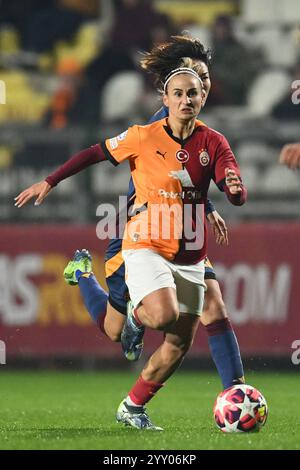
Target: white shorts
(146,271)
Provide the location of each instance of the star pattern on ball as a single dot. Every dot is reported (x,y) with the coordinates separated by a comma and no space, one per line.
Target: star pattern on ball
(247,407)
(240,408)
(222,403)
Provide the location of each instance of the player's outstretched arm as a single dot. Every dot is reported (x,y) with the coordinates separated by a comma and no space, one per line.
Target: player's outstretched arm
(290,156)
(75,164)
(41,190)
(218,227)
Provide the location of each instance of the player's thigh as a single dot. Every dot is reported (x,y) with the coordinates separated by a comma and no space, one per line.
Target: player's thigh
(162,305)
(150,281)
(114,322)
(190,288)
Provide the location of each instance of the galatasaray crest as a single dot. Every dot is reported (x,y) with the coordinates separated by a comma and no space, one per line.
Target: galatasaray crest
(204,158)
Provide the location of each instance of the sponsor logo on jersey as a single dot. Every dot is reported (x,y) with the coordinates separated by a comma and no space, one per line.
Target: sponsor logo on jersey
(136,237)
(170,194)
(182,155)
(122,136)
(204,158)
(161,154)
(113,143)
(191,195)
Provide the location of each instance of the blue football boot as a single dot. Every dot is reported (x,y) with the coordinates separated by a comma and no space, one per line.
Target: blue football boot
(132,336)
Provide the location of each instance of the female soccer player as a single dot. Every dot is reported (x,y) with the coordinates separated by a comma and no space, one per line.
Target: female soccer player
(194,155)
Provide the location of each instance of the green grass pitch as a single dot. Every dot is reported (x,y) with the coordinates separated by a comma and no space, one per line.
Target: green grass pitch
(75,410)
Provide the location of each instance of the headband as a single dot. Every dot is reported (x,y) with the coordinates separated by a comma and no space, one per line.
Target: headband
(177,72)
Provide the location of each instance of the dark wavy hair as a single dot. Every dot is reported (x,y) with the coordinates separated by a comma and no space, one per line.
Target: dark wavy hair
(172,54)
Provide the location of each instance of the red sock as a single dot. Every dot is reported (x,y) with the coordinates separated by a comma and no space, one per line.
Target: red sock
(218,327)
(136,317)
(143,391)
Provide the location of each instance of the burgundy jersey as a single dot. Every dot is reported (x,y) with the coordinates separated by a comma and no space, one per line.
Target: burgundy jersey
(209,155)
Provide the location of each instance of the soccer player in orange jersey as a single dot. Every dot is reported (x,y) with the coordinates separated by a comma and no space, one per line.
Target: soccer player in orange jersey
(193,155)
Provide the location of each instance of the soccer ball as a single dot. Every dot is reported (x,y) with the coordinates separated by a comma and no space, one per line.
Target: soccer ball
(240,408)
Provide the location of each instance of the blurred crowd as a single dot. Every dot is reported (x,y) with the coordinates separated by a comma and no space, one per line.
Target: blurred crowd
(74,64)
(57,57)
(77,47)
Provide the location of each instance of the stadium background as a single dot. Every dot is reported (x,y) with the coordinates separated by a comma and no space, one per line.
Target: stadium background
(69,77)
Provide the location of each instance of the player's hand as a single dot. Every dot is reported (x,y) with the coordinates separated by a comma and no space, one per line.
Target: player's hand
(41,190)
(290,156)
(219,228)
(232,181)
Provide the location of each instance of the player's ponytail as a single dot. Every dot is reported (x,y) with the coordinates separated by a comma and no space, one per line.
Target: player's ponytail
(179,51)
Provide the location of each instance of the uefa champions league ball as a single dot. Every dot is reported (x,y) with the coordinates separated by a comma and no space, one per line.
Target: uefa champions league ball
(240,408)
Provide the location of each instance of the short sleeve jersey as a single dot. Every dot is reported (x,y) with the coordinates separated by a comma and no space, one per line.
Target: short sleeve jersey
(171,178)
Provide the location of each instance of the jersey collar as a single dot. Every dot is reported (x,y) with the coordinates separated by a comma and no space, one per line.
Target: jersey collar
(182,142)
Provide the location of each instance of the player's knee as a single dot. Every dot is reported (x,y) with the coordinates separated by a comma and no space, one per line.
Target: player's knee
(214,310)
(217,308)
(164,319)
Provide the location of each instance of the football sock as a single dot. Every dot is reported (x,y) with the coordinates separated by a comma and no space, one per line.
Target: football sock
(129,402)
(142,392)
(135,318)
(225,352)
(94,297)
